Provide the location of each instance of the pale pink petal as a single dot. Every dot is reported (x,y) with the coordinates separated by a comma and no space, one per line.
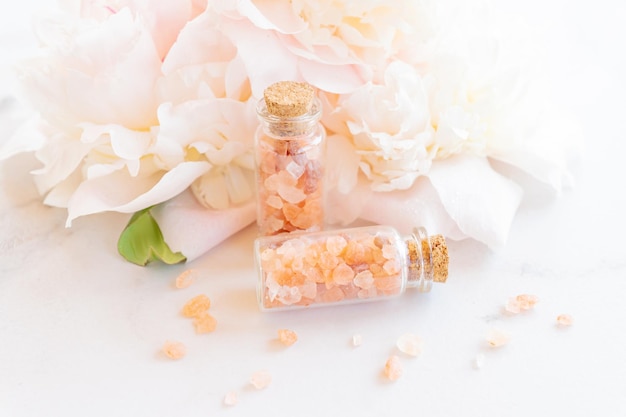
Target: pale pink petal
(263,54)
(272,14)
(405,209)
(193,229)
(120,192)
(482,202)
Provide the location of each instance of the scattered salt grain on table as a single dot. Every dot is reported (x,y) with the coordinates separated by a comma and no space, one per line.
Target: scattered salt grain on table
(196,306)
(564,320)
(204,323)
(497,338)
(520,302)
(479,361)
(287,337)
(393,368)
(230,398)
(185,279)
(409,344)
(357,340)
(260,379)
(174,350)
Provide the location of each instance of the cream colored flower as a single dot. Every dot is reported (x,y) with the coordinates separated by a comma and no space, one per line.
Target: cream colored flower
(390,128)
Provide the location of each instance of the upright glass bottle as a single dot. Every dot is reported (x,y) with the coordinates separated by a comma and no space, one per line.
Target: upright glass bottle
(346,266)
(289,146)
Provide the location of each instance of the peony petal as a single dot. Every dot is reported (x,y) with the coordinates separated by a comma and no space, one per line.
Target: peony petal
(192,229)
(551,154)
(27,137)
(119,192)
(418,206)
(272,14)
(263,54)
(482,202)
(339,79)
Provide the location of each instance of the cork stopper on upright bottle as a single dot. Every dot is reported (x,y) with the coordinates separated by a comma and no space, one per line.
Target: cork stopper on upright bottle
(289,98)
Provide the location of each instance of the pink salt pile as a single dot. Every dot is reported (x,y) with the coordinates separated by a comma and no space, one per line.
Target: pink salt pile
(393,368)
(564,320)
(261,379)
(287,337)
(290,186)
(174,350)
(197,309)
(306,270)
(185,278)
(520,303)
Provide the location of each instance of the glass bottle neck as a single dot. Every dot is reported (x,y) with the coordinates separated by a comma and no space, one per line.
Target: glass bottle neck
(287,127)
(419,258)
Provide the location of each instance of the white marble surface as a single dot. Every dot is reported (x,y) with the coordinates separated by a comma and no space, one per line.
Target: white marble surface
(80,328)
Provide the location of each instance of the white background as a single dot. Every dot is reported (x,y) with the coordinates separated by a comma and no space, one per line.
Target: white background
(81,329)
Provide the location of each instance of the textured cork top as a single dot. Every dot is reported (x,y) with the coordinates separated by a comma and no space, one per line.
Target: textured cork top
(440,258)
(288,98)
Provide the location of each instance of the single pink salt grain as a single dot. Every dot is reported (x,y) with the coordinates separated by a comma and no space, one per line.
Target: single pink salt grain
(564,320)
(185,279)
(520,302)
(174,350)
(357,340)
(196,305)
(409,344)
(393,368)
(497,338)
(287,337)
(204,323)
(260,379)
(230,398)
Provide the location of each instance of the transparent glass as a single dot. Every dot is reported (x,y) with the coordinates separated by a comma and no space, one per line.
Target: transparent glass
(290,164)
(340,266)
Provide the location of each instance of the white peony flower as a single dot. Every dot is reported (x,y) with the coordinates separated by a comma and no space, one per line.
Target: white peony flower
(390,128)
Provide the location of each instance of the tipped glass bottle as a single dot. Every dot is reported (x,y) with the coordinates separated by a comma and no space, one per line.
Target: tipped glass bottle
(289,154)
(346,266)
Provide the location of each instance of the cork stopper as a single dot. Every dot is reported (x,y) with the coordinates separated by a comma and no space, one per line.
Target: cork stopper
(439,254)
(288,98)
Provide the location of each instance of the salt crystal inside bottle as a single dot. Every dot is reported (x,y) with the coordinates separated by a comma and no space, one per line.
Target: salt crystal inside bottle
(289,154)
(305,269)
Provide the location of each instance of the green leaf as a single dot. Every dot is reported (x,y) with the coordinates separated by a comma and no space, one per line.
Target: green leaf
(142,242)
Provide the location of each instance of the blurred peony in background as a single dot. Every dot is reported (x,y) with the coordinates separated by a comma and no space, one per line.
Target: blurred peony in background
(438,113)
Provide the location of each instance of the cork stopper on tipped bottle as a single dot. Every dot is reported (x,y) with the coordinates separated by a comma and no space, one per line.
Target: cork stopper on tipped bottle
(427,257)
(439,254)
(289,98)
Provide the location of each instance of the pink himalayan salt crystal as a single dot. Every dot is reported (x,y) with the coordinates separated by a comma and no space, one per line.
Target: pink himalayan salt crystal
(230,398)
(196,305)
(185,279)
(274,201)
(287,337)
(410,344)
(497,338)
(393,368)
(260,379)
(364,280)
(521,302)
(336,244)
(204,323)
(343,274)
(564,320)
(174,350)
